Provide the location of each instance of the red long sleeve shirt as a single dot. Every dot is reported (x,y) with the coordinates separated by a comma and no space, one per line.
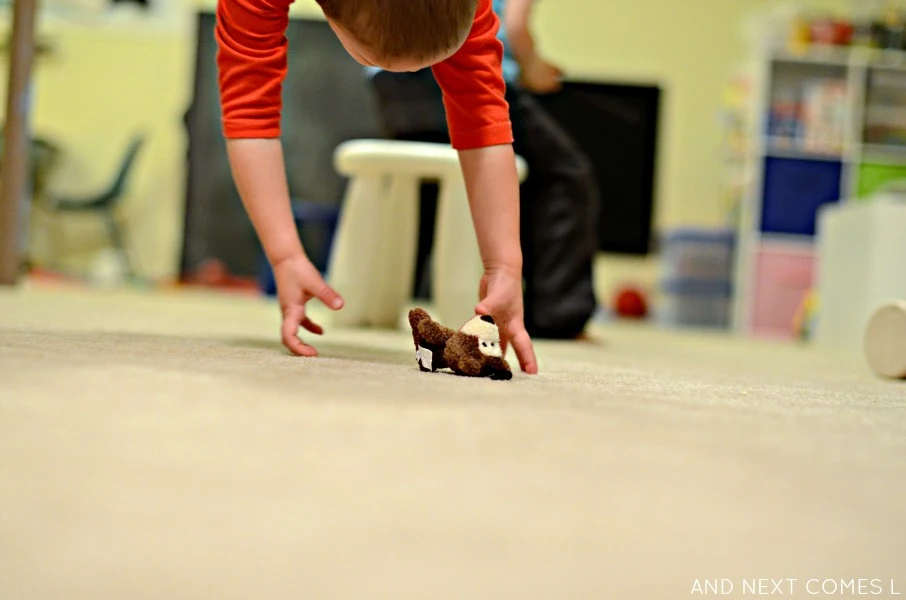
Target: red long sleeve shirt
(252,64)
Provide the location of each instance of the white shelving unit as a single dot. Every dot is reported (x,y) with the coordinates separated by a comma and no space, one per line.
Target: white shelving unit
(829,126)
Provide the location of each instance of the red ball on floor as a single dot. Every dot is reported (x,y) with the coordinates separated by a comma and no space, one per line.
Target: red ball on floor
(630,303)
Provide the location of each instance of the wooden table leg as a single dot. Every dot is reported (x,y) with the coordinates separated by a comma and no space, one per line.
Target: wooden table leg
(15,164)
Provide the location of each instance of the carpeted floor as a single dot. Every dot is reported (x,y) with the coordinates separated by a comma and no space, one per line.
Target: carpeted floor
(165,447)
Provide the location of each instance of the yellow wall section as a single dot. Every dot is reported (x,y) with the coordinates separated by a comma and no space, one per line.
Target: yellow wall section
(106,82)
(103,84)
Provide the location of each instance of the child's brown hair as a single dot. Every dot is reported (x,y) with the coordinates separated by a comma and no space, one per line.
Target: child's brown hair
(414,29)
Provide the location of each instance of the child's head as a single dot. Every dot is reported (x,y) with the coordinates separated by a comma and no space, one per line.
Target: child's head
(400,35)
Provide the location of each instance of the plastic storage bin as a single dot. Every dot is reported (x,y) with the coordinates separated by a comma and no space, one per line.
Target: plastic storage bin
(697,277)
(794,192)
(873,177)
(696,303)
(698,254)
(784,276)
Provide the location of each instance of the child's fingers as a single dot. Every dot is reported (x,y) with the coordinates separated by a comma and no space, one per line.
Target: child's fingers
(522,344)
(291,321)
(489,306)
(329,296)
(312,326)
(491,301)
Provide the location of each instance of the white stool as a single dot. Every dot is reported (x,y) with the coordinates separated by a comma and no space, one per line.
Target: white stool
(373,256)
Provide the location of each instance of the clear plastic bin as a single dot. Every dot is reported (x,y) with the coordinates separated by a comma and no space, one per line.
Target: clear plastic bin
(696,303)
(698,254)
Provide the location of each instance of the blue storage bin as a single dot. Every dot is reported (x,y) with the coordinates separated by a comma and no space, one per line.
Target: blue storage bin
(692,253)
(794,191)
(697,303)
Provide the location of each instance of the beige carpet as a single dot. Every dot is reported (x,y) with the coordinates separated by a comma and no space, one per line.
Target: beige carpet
(164,447)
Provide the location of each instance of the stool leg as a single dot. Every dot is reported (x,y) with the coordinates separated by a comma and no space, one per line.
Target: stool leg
(353,261)
(394,261)
(457,260)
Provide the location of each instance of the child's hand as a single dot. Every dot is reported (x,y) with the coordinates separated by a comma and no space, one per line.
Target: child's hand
(500,292)
(298,281)
(541,77)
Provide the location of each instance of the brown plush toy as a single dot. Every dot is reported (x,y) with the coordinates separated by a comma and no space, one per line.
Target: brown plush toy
(473,351)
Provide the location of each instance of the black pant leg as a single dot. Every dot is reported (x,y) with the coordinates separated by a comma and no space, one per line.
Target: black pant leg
(559,223)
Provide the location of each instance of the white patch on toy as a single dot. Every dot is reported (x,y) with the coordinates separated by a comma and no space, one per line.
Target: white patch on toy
(490,348)
(425,357)
(487,333)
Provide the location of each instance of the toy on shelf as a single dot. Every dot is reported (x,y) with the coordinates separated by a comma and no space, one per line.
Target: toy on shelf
(885,110)
(891,30)
(882,30)
(832,32)
(473,351)
(811,116)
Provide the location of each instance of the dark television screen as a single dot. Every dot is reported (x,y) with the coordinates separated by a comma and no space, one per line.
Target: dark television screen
(617,127)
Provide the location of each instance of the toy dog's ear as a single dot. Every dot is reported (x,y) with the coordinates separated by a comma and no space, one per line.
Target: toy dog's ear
(488,319)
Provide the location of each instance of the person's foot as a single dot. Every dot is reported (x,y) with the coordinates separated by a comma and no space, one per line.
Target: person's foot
(584,337)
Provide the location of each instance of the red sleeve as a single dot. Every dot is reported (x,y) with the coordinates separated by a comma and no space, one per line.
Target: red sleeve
(251,63)
(473,86)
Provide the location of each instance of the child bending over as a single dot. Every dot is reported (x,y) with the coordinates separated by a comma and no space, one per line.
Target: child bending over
(458,40)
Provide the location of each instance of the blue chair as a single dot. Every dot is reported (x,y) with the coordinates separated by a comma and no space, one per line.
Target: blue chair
(307,215)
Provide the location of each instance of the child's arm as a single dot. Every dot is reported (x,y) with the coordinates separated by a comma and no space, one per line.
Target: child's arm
(480,129)
(252,65)
(257,166)
(493,189)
